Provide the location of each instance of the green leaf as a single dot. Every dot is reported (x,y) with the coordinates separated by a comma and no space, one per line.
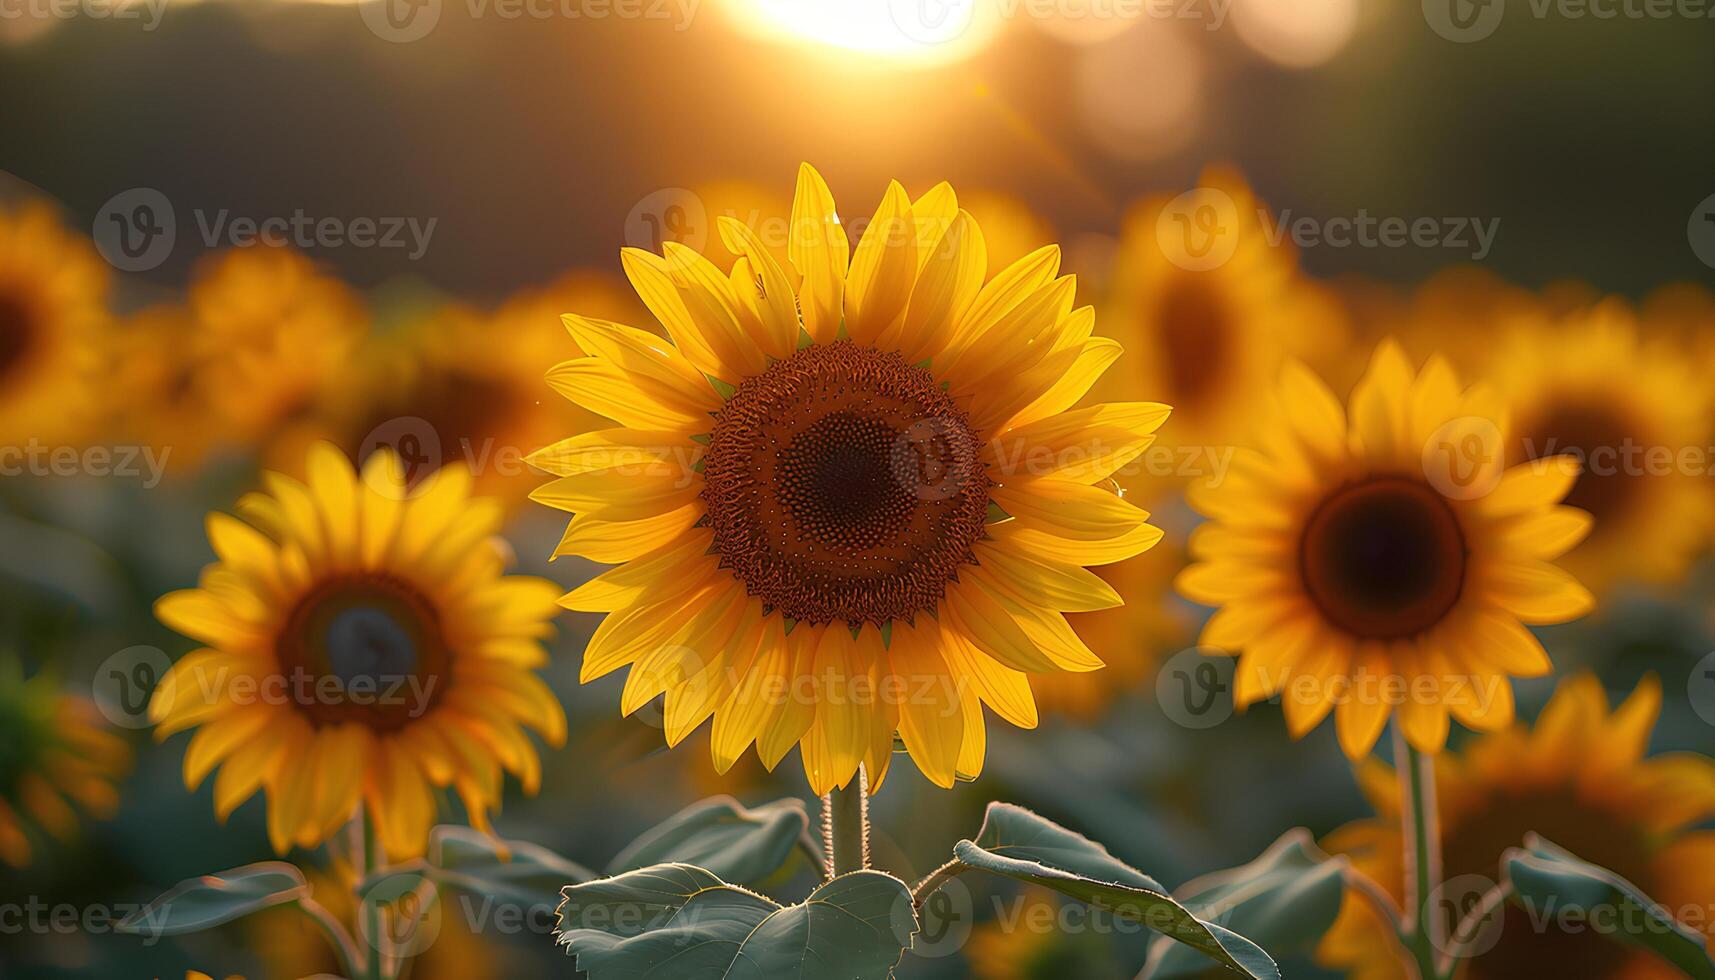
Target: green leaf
(1548,882)
(720,836)
(515,872)
(675,921)
(1019,844)
(202,903)
(1285,900)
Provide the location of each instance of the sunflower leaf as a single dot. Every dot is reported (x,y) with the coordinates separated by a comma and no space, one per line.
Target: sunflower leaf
(1549,882)
(1016,843)
(747,846)
(202,903)
(678,920)
(1286,899)
(515,873)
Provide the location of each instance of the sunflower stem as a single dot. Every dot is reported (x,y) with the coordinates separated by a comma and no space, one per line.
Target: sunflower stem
(845,825)
(374,934)
(1421,930)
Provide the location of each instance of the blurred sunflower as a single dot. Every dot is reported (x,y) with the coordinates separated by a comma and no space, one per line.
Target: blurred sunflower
(54,328)
(851,500)
(269,335)
(54,753)
(363,646)
(1209,337)
(464,386)
(1011,230)
(1131,639)
(1353,557)
(1456,313)
(1631,408)
(1026,942)
(1579,778)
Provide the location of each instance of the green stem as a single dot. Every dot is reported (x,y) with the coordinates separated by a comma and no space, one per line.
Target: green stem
(344,946)
(845,825)
(374,931)
(1421,930)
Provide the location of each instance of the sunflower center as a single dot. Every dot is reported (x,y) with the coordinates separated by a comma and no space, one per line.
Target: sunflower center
(844,484)
(1383,558)
(366,649)
(16,332)
(1601,438)
(464,415)
(1194,339)
(1609,839)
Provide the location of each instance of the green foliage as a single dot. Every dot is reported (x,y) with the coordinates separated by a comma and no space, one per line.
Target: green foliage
(1285,900)
(679,922)
(1017,843)
(210,900)
(1549,882)
(736,844)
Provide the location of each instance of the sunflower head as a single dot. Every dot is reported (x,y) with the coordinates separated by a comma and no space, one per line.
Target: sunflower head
(363,647)
(1582,778)
(1631,407)
(850,497)
(1383,558)
(54,325)
(55,755)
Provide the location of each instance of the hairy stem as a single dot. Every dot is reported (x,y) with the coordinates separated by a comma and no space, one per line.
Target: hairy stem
(845,825)
(374,931)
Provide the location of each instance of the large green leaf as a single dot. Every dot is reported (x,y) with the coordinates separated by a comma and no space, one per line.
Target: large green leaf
(679,922)
(1284,900)
(1019,844)
(203,903)
(746,846)
(1549,882)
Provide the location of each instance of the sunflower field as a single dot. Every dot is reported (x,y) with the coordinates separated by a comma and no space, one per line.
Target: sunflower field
(857,489)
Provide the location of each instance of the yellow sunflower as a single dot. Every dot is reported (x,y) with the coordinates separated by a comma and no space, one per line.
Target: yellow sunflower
(1639,415)
(53,329)
(363,646)
(1131,639)
(1209,335)
(1580,779)
(269,333)
(465,386)
(1456,314)
(54,753)
(1382,559)
(852,499)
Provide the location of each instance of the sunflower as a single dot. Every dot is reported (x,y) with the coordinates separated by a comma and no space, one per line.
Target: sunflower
(851,499)
(1131,639)
(464,385)
(54,752)
(363,646)
(1209,337)
(53,325)
(1638,414)
(1580,779)
(1456,314)
(1359,561)
(268,335)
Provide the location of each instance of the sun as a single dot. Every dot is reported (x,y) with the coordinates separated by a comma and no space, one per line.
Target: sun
(922,32)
